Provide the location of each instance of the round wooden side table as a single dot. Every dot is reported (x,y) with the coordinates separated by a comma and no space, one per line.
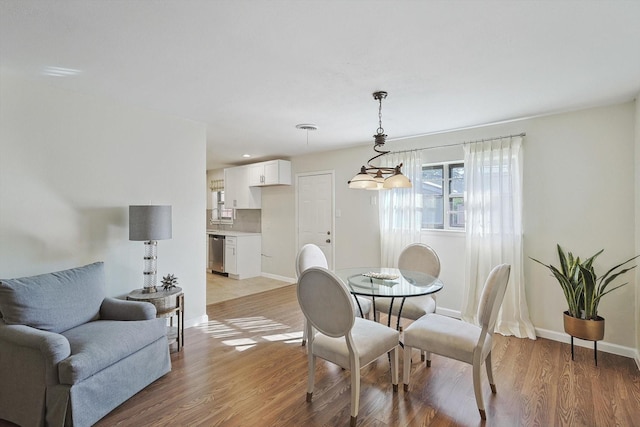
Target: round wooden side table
(169,304)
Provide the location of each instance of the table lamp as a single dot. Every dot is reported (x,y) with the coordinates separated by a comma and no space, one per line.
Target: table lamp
(150,223)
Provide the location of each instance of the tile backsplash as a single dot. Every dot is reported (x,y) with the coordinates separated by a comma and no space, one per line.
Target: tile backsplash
(247,220)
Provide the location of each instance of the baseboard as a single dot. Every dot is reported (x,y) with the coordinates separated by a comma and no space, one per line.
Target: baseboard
(602,345)
(197,321)
(276,277)
(638,360)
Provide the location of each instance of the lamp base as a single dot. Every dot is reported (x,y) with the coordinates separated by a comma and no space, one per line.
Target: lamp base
(150,269)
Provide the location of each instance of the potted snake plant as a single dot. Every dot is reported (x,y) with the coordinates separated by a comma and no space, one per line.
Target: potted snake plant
(583,291)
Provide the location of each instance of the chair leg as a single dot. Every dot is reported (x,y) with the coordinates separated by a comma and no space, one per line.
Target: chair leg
(477,390)
(423,355)
(394,367)
(355,390)
(406,367)
(311,377)
(487,363)
(304,333)
(428,356)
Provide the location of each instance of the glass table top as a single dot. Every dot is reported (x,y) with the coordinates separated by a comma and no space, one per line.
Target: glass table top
(388,282)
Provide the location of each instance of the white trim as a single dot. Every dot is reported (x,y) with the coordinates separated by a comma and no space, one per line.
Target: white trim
(277,277)
(446,232)
(195,322)
(638,360)
(602,345)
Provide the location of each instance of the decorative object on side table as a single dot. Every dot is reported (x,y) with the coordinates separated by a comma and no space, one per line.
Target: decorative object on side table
(169,303)
(169,281)
(583,291)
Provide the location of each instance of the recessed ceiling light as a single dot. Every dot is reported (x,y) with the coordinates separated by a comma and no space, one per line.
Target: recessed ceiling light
(246,156)
(60,71)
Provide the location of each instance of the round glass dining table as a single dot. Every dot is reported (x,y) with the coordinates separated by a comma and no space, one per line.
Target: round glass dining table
(394,283)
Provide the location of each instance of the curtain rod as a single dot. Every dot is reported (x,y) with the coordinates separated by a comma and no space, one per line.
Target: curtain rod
(459,143)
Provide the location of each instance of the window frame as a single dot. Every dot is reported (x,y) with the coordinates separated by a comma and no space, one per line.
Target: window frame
(447,196)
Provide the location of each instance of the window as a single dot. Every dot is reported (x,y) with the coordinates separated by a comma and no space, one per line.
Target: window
(443,196)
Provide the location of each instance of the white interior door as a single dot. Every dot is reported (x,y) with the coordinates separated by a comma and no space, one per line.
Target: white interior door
(315,195)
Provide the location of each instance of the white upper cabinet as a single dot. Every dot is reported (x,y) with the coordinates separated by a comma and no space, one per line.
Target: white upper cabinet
(237,192)
(273,172)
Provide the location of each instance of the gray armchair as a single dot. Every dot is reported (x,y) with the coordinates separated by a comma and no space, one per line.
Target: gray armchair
(68,354)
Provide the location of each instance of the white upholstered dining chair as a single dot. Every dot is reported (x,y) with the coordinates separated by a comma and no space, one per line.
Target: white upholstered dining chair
(414,257)
(337,335)
(459,340)
(311,255)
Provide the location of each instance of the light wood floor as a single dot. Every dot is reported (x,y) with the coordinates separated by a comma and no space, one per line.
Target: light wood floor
(221,288)
(246,368)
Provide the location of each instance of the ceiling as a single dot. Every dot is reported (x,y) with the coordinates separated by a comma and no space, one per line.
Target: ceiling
(252,70)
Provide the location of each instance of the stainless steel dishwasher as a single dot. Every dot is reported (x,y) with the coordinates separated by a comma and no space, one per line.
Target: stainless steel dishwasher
(216,253)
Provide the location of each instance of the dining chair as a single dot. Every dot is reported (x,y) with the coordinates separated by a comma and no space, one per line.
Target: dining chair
(459,340)
(311,255)
(338,336)
(414,257)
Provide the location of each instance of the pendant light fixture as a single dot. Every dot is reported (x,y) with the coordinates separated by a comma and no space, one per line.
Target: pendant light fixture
(377,177)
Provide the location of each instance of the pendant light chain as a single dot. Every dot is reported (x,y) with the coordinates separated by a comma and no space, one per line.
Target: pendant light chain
(380,128)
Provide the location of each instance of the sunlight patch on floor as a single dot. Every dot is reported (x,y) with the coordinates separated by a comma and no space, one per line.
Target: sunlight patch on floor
(240,341)
(256,324)
(283,337)
(249,325)
(218,329)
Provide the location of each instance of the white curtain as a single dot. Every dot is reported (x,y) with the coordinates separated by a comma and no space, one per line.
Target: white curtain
(400,209)
(493,177)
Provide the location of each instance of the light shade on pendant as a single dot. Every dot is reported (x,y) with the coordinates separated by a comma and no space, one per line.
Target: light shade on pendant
(363,181)
(397,180)
(379,179)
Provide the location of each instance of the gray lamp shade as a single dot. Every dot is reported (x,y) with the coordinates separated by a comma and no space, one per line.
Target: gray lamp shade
(149,222)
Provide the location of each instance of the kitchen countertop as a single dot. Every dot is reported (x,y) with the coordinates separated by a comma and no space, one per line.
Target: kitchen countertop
(232,233)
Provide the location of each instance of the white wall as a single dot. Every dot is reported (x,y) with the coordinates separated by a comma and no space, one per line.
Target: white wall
(70,165)
(637,193)
(579,174)
(581,197)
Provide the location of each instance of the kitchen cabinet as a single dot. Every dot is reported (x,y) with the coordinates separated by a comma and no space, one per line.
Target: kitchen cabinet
(237,192)
(230,255)
(243,256)
(273,172)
